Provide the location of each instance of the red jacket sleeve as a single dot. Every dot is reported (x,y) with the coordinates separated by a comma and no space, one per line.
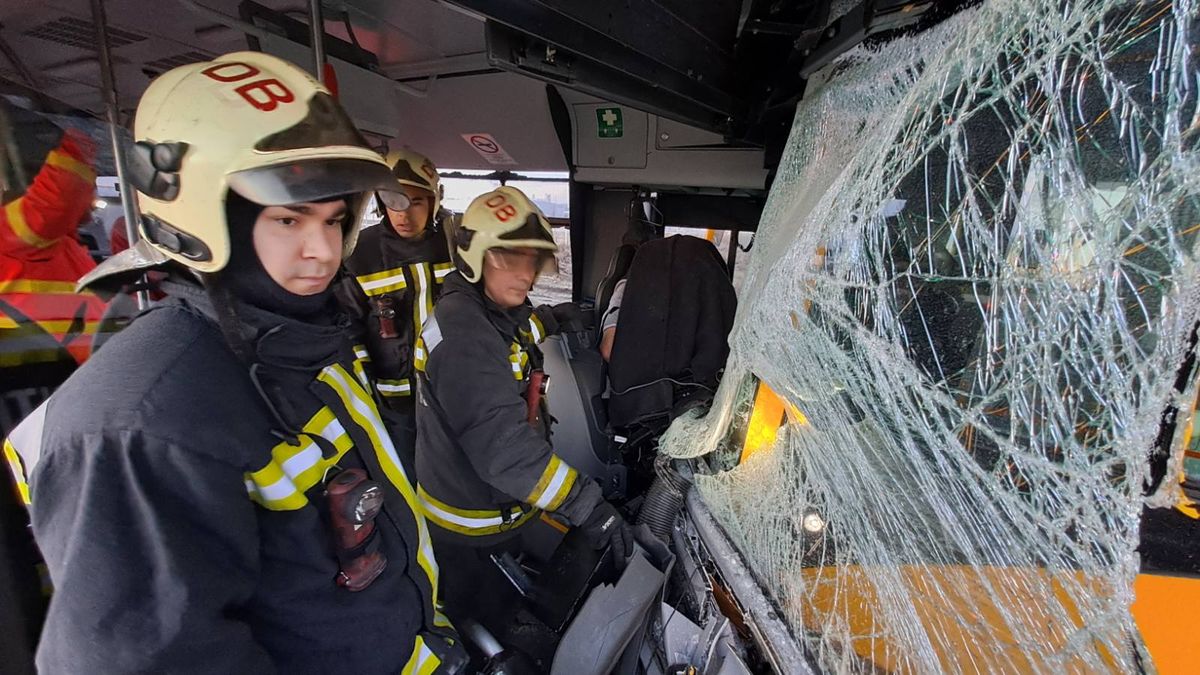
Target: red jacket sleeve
(59,196)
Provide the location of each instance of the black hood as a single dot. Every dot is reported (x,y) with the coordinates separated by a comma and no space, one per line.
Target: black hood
(273,340)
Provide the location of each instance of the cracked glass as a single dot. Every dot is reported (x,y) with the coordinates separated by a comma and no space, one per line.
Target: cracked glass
(974,285)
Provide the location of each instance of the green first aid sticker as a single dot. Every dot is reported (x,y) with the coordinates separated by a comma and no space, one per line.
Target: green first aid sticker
(608,122)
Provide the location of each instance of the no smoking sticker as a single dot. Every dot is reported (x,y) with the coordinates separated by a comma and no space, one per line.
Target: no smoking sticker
(489,149)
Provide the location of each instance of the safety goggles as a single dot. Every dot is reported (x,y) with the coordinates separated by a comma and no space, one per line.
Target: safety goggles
(396,201)
(538,261)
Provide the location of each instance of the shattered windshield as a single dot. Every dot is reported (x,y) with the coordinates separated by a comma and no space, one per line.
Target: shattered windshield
(973,288)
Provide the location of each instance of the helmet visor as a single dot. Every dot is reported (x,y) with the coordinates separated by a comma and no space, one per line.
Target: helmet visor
(309,180)
(394,200)
(537,260)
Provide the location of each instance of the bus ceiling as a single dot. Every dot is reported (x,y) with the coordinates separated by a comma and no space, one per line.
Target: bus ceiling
(733,67)
(661,94)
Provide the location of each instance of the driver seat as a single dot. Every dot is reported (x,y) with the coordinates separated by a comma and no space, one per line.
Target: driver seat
(618,267)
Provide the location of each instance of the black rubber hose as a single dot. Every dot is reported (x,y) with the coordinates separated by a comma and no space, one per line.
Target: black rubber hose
(663,500)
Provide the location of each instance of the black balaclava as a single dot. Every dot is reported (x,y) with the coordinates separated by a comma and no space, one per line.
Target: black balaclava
(246,278)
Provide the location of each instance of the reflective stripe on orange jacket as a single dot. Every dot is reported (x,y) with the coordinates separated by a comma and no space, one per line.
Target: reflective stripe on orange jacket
(41,315)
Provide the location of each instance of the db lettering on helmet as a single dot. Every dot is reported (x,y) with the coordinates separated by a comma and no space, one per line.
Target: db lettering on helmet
(429,171)
(265,94)
(501,209)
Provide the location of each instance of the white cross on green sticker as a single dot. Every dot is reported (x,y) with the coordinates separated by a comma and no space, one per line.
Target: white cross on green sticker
(608,122)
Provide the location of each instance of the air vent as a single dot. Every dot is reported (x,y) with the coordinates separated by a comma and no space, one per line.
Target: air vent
(73,32)
(163,65)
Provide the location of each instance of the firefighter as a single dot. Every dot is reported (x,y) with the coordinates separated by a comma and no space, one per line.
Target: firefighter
(395,277)
(486,469)
(216,491)
(46,328)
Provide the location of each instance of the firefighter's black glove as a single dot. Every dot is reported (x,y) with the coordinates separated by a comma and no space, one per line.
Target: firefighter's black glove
(606,526)
(570,318)
(562,318)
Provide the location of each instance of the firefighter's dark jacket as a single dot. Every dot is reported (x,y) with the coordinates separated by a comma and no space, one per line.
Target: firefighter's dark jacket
(388,273)
(483,470)
(182,535)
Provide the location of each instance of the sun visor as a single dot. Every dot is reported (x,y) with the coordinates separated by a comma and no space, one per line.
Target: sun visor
(310,180)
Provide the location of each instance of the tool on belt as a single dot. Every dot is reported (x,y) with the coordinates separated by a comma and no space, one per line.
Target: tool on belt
(539,384)
(354,502)
(386,311)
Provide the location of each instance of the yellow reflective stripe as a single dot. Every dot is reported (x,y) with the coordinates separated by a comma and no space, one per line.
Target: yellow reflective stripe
(386,281)
(518,358)
(428,299)
(471,522)
(16,220)
(360,357)
(18,471)
(552,488)
(295,469)
(419,355)
(536,329)
(66,162)
(557,498)
(362,409)
(56,326)
(441,271)
(428,338)
(361,353)
(423,661)
(393,388)
(441,620)
(29,356)
(422,296)
(34,286)
(272,488)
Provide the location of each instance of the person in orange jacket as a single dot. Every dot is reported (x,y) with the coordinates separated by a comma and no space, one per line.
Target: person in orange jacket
(46,328)
(45,333)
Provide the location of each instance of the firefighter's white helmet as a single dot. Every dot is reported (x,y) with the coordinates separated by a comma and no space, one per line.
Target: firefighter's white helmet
(502,218)
(247,122)
(412,168)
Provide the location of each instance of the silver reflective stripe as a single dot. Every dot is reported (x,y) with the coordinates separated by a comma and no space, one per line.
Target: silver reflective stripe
(464,521)
(26,438)
(397,279)
(393,387)
(303,461)
(423,661)
(432,335)
(562,472)
(293,470)
(424,296)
